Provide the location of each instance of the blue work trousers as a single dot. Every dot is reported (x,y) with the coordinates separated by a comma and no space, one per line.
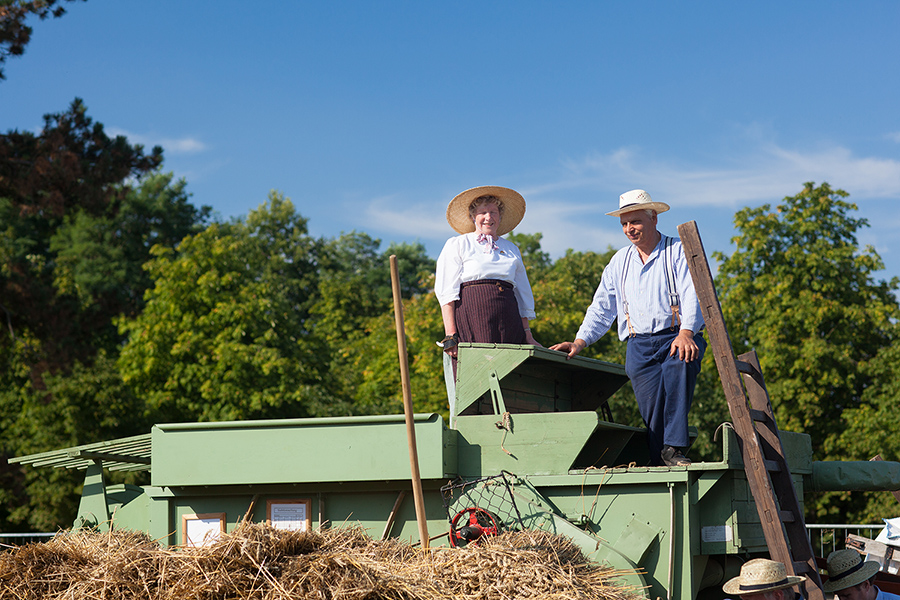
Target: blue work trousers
(663,386)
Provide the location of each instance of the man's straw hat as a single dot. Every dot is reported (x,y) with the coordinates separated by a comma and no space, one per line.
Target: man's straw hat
(761,575)
(637,200)
(513,208)
(846,569)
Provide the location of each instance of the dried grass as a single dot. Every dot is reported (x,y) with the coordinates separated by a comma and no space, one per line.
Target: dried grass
(257,562)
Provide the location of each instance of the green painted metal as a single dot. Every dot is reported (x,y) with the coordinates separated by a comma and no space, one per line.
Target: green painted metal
(863,475)
(531,379)
(299,450)
(525,412)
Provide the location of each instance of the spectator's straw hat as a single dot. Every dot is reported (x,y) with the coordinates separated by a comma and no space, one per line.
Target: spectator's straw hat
(637,200)
(846,569)
(761,575)
(513,208)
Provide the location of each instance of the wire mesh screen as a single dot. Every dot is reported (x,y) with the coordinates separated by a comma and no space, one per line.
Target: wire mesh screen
(492,494)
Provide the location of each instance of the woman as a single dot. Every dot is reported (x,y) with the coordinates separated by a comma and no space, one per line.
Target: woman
(480,280)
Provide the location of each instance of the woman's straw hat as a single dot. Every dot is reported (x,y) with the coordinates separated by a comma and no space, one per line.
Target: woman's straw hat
(846,569)
(761,575)
(637,200)
(513,208)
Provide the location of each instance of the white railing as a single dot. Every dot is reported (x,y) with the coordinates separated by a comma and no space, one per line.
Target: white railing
(827,537)
(11,540)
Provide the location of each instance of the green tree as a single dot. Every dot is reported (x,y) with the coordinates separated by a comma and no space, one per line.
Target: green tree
(79,212)
(14,33)
(64,236)
(226,330)
(87,404)
(355,309)
(801,292)
(535,259)
(870,428)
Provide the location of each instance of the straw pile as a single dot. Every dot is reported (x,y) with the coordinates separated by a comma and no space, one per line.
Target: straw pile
(258,562)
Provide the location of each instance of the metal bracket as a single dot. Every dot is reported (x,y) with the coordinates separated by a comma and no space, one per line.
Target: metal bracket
(496,394)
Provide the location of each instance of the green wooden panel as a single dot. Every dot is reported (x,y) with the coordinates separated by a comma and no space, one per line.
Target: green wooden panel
(299,450)
(533,379)
(538,444)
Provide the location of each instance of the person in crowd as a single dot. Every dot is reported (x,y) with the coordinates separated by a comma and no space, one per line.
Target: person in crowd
(763,579)
(480,280)
(852,578)
(648,288)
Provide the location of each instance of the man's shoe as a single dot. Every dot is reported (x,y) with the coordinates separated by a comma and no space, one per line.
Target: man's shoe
(673,457)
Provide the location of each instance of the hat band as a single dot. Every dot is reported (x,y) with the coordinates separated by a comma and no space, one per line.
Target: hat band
(849,571)
(761,586)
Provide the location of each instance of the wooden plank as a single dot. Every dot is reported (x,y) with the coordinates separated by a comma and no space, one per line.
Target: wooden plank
(733,384)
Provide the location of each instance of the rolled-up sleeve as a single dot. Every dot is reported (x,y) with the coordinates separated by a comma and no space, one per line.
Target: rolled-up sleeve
(524,295)
(603,310)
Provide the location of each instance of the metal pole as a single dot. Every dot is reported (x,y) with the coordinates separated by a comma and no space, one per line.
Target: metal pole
(407,406)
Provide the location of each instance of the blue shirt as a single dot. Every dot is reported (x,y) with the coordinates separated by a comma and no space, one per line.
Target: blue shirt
(645,290)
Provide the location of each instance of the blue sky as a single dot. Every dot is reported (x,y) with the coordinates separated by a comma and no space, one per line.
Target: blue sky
(370,116)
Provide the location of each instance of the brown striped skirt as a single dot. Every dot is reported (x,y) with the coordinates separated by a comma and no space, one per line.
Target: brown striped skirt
(487,312)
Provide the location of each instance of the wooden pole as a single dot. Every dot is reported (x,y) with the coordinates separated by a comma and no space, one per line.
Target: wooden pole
(407,406)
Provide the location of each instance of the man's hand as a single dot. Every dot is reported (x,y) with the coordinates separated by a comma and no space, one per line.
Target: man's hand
(685,346)
(570,348)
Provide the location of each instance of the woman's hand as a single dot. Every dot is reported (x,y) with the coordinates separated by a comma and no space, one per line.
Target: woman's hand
(529,339)
(449,343)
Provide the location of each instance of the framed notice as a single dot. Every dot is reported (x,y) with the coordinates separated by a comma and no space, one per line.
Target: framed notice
(289,514)
(201,530)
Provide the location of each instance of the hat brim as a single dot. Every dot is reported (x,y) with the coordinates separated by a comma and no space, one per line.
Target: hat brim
(659,207)
(513,208)
(733,586)
(866,572)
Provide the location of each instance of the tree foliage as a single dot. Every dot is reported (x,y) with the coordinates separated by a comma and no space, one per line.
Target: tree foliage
(802,293)
(79,213)
(225,333)
(14,33)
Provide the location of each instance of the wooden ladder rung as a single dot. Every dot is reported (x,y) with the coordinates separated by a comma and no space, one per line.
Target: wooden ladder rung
(772,466)
(787,516)
(760,416)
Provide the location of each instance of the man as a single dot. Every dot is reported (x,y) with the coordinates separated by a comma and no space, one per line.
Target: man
(849,578)
(648,287)
(763,579)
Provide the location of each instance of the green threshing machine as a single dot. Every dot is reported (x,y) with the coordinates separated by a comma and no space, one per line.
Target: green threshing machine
(531,444)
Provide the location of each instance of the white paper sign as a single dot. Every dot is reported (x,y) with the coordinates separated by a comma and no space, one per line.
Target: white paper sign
(202,531)
(289,516)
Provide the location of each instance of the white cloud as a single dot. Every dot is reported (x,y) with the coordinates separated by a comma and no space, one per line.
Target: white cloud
(766,174)
(186,145)
(568,208)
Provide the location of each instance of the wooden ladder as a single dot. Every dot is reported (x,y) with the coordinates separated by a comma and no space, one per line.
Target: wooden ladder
(754,423)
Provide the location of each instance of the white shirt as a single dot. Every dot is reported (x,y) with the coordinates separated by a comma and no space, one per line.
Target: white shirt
(649,307)
(464,259)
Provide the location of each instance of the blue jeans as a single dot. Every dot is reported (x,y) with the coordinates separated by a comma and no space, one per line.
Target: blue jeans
(663,386)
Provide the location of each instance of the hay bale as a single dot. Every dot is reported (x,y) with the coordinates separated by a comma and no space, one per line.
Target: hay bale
(258,562)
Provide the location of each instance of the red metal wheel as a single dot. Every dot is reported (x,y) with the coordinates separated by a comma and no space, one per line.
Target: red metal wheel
(471,524)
